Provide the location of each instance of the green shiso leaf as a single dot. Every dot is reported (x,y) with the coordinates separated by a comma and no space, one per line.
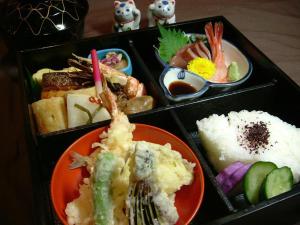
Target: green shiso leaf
(170,42)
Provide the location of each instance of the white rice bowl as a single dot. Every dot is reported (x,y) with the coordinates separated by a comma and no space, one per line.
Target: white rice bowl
(227,139)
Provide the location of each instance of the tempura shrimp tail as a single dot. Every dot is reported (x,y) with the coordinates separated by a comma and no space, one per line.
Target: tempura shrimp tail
(119,135)
(109,102)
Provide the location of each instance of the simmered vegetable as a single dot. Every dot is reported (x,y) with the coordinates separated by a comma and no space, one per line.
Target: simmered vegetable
(139,104)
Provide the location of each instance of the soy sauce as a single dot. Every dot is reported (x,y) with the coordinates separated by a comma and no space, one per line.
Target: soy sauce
(180,88)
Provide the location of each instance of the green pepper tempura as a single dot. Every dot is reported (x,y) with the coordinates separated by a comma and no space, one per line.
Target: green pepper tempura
(104,169)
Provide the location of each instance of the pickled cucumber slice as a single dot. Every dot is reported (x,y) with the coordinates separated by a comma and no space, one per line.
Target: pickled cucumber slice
(254,178)
(277,182)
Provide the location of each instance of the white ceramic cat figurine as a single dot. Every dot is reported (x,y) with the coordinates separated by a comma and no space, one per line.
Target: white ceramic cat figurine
(161,11)
(127,16)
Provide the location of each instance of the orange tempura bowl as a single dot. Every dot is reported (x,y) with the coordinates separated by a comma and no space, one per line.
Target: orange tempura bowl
(65,182)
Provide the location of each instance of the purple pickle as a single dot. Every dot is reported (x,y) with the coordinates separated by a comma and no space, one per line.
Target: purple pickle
(228,171)
(235,178)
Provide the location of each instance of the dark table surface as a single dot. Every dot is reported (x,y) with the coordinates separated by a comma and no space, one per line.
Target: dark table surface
(272,25)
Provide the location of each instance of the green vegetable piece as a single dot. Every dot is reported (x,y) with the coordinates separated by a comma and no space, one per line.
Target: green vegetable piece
(170,42)
(254,178)
(91,116)
(277,182)
(104,168)
(233,72)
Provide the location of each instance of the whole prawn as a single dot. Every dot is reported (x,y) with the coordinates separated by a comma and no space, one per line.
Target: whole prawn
(132,87)
(214,37)
(119,137)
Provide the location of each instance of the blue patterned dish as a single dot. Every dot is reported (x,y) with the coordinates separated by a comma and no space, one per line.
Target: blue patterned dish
(102,53)
(173,74)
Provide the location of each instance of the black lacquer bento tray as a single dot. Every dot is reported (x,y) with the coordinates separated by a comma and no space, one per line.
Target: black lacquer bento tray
(268,89)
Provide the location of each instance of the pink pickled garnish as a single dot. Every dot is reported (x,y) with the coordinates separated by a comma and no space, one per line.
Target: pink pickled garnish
(96,72)
(112,60)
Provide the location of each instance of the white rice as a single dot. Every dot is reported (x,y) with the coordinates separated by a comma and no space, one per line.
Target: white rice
(224,139)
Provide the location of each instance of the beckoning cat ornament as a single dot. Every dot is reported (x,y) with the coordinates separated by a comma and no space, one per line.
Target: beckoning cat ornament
(127,16)
(161,11)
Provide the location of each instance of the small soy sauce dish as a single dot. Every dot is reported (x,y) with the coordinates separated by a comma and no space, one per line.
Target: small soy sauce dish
(179,84)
